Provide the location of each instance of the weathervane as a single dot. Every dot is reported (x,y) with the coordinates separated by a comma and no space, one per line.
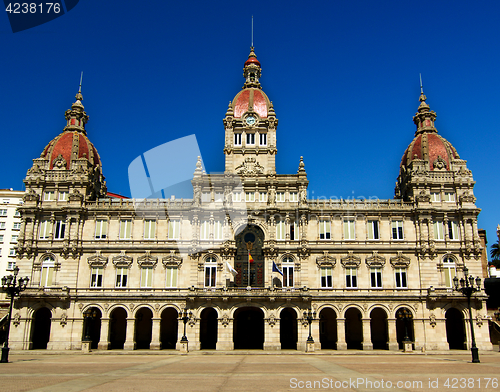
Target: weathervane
(81,78)
(252,32)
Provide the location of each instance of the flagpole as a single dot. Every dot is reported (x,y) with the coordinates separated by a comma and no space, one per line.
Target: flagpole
(248,268)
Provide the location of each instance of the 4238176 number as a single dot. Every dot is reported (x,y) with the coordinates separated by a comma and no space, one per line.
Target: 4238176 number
(33,8)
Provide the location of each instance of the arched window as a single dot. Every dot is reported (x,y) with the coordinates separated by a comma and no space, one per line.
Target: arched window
(450,271)
(47,275)
(210,272)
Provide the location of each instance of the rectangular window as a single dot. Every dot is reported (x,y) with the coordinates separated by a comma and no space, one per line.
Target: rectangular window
(263,197)
(59,229)
(101,229)
(47,275)
(349,233)
(351,279)
(263,139)
(121,276)
(3,212)
(453,230)
(294,231)
(287,275)
(372,230)
(400,274)
(206,197)
(13,238)
(280,230)
(324,229)
(237,139)
(171,277)
(210,274)
(219,197)
(280,197)
(218,230)
(96,277)
(44,229)
(376,277)
(205,230)
(326,277)
(17,213)
(449,271)
(449,196)
(397,230)
(435,196)
(16,226)
(125,229)
(438,230)
(294,196)
(146,277)
(149,229)
(250,138)
(63,196)
(11,264)
(236,196)
(250,196)
(12,252)
(2,225)
(174,229)
(49,196)
(1,237)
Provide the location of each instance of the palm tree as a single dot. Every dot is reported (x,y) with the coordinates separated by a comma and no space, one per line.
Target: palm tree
(495,254)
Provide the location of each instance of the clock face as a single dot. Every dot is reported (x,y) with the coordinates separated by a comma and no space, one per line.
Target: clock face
(250,120)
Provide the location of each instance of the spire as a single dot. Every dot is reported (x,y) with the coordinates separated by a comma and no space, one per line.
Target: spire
(252,70)
(424,118)
(76,117)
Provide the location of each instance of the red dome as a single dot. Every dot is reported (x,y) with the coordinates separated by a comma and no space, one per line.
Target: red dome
(70,145)
(251,97)
(431,148)
(252,60)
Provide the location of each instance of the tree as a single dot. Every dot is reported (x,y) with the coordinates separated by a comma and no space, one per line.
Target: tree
(495,254)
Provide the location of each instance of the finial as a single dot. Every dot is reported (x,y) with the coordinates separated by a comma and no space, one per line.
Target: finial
(252,32)
(79,95)
(301,166)
(421,86)
(81,78)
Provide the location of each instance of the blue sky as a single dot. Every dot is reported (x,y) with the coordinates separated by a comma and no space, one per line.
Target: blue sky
(343,77)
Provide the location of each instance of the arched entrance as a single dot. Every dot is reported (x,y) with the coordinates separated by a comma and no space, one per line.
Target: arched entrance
(254,235)
(288,329)
(168,329)
(117,328)
(143,328)
(378,329)
(404,326)
(353,329)
(455,331)
(328,329)
(248,330)
(94,327)
(208,329)
(40,332)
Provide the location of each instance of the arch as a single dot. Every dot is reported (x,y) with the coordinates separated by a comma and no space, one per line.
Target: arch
(379,329)
(92,327)
(353,328)
(328,328)
(40,331)
(248,328)
(208,329)
(404,326)
(143,328)
(117,327)
(288,329)
(169,326)
(251,233)
(455,329)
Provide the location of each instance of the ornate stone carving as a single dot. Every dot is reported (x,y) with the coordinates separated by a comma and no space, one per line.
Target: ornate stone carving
(122,260)
(271,320)
(304,251)
(400,260)
(439,163)
(16,320)
(147,260)
(59,163)
(224,320)
(228,250)
(326,260)
(97,260)
(350,260)
(432,320)
(172,260)
(64,319)
(479,320)
(250,168)
(375,260)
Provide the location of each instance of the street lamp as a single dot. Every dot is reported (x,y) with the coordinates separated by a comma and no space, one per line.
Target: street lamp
(89,315)
(468,288)
(12,286)
(185,316)
(405,315)
(309,315)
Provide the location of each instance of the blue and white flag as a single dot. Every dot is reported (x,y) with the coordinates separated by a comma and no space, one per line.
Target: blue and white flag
(231,269)
(276,269)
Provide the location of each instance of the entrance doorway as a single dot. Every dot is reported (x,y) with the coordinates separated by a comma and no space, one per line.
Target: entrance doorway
(208,329)
(248,332)
(288,329)
(94,325)
(328,329)
(40,333)
(455,331)
(117,328)
(353,329)
(143,328)
(378,329)
(168,329)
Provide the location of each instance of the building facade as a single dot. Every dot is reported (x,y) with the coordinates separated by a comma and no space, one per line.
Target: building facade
(249,253)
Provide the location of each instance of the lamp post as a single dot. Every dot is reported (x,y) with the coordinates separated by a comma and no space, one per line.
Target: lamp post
(12,286)
(89,315)
(467,288)
(309,315)
(185,316)
(405,315)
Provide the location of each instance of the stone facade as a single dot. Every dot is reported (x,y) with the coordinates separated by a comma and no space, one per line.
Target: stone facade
(373,273)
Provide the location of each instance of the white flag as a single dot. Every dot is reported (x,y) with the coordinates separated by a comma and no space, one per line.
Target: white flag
(231,269)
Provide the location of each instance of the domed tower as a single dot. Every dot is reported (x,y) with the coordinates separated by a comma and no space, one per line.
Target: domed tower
(250,125)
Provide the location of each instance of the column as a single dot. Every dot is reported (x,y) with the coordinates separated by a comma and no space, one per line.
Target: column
(392,334)
(419,333)
(129,340)
(341,343)
(104,338)
(272,334)
(155,334)
(225,334)
(367,335)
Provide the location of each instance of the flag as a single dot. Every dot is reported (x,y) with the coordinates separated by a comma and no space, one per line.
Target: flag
(250,258)
(276,269)
(231,269)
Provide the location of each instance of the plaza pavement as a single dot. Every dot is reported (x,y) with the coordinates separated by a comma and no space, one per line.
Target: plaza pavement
(207,371)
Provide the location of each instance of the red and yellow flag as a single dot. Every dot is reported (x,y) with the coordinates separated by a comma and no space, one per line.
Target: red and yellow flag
(250,258)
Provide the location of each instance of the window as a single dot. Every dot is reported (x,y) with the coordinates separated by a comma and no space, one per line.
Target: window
(96,277)
(59,229)
(219,197)
(205,230)
(400,274)
(250,196)
(47,275)
(13,238)
(450,271)
(349,233)
(121,276)
(1,237)
(210,272)
(453,230)
(351,279)
(376,277)
(324,229)
(438,230)
(237,139)
(250,138)
(63,196)
(280,230)
(171,277)
(16,226)
(449,197)
(294,231)
(280,197)
(326,277)
(174,229)
(218,230)
(11,264)
(206,197)
(263,139)
(263,197)
(435,196)
(3,212)
(44,229)
(101,229)
(17,213)
(146,276)
(149,229)
(2,225)
(236,196)
(12,252)
(372,230)
(49,196)
(397,230)
(125,229)
(294,196)
(287,268)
